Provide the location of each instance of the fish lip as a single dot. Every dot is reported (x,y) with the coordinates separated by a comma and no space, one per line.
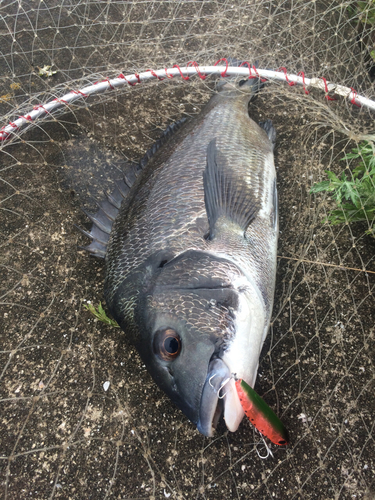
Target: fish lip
(212,404)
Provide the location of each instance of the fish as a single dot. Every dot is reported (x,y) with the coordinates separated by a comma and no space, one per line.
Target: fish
(189,239)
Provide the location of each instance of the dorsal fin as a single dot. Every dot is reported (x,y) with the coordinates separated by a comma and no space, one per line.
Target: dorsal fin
(108,209)
(226,195)
(168,132)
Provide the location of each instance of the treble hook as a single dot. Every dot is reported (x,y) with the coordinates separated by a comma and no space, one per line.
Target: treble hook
(222,385)
(269,452)
(209,380)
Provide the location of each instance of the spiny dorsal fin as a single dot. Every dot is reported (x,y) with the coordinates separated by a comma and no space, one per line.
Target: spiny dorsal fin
(225,193)
(108,209)
(168,132)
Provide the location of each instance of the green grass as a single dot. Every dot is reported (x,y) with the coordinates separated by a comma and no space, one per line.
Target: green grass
(363,12)
(101,315)
(354,195)
(362,15)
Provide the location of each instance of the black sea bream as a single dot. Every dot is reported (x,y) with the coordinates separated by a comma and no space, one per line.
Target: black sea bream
(191,255)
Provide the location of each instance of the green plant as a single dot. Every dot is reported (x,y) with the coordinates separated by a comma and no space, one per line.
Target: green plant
(355,196)
(363,12)
(362,15)
(101,315)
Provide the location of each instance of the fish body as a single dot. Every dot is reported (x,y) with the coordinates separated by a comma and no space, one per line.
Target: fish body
(191,257)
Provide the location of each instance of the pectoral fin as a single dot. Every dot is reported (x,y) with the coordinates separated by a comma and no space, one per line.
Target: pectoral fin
(226,193)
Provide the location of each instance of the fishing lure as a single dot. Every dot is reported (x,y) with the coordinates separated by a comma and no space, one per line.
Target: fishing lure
(261,415)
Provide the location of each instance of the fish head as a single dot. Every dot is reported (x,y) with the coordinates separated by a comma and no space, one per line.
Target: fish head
(188,315)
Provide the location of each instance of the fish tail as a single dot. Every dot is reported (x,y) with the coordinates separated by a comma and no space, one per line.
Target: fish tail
(249,85)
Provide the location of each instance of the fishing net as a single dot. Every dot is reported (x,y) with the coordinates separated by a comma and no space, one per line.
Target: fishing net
(80,416)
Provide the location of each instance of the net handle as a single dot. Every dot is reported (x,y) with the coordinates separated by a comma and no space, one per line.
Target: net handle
(191,69)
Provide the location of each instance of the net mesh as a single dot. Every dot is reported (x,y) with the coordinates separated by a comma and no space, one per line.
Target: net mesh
(79,415)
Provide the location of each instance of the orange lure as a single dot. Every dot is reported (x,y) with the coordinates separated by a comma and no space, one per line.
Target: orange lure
(261,415)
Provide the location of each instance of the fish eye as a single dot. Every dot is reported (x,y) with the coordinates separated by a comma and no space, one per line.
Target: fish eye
(167,344)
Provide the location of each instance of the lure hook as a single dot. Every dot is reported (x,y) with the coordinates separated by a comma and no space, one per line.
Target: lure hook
(222,385)
(268,449)
(209,380)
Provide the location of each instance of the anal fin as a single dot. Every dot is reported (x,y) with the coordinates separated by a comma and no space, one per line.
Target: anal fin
(275,212)
(270,130)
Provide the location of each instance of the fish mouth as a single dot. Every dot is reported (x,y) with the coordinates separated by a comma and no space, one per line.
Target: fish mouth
(219,396)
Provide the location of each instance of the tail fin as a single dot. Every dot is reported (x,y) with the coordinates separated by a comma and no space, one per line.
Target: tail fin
(250,85)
